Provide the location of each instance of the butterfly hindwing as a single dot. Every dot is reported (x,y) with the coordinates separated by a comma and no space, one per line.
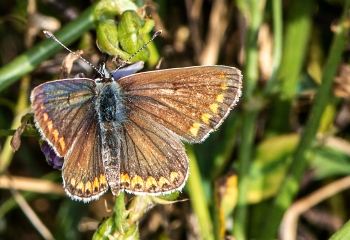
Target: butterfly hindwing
(191,102)
(152,159)
(83,171)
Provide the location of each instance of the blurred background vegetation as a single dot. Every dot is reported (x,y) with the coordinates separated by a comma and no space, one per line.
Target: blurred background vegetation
(277,168)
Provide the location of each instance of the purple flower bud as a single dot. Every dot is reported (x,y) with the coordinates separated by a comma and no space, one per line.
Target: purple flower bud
(51,157)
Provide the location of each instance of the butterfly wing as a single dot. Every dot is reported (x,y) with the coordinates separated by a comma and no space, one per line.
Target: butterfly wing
(65,115)
(191,102)
(83,171)
(152,158)
(60,110)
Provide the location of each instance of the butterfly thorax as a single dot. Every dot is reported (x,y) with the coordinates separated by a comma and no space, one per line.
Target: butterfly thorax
(109,105)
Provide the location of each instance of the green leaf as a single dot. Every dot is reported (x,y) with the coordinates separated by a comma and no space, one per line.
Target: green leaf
(270,166)
(329,162)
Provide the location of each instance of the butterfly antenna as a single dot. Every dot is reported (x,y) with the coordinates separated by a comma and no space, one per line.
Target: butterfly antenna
(49,34)
(156,34)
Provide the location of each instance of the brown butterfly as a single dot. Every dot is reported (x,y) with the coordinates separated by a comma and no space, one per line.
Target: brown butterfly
(124,130)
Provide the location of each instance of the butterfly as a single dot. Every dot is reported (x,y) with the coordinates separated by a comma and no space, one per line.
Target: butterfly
(124,130)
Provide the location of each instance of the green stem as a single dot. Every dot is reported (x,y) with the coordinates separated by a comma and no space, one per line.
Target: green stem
(245,155)
(21,107)
(249,117)
(296,38)
(29,60)
(277,42)
(119,213)
(290,184)
(197,196)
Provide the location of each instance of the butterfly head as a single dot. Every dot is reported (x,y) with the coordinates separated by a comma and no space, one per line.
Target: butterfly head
(103,75)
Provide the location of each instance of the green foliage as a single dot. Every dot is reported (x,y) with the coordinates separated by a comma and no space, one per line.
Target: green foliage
(122,38)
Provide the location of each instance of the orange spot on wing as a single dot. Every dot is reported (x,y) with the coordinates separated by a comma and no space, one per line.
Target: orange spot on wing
(55,134)
(136,180)
(224,86)
(46,117)
(125,178)
(49,126)
(73,182)
(195,128)
(62,143)
(80,186)
(151,181)
(173,176)
(214,108)
(206,118)
(220,98)
(162,181)
(103,180)
(96,185)
(88,187)
(222,75)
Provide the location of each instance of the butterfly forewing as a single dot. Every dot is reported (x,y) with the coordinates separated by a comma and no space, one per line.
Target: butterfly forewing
(61,109)
(192,102)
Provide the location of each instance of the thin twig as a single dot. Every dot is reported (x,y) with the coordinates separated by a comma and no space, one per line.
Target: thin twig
(28,211)
(217,27)
(289,223)
(193,14)
(31,185)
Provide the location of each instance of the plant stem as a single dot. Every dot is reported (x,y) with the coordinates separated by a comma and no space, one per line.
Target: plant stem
(197,196)
(254,18)
(29,60)
(296,40)
(277,42)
